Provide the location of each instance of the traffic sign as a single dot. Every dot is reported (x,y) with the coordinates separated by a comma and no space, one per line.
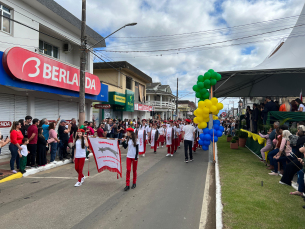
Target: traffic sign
(223,114)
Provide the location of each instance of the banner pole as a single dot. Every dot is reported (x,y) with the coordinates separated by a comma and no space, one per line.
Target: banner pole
(211,147)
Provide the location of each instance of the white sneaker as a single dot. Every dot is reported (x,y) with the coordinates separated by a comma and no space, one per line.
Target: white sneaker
(78,184)
(282,183)
(162,146)
(86,159)
(172,155)
(143,155)
(158,147)
(168,155)
(83,179)
(54,162)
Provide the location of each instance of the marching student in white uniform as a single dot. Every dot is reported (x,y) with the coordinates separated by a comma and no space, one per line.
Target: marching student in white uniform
(162,133)
(132,157)
(170,137)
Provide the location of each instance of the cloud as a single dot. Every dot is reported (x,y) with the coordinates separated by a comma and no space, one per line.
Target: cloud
(168,17)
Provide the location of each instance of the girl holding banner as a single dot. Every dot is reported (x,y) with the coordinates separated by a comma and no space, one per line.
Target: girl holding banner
(132,157)
(79,155)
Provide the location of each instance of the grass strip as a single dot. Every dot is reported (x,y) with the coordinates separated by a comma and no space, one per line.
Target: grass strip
(248,204)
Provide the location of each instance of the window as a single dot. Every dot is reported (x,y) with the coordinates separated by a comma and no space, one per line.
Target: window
(48,49)
(5,22)
(129,83)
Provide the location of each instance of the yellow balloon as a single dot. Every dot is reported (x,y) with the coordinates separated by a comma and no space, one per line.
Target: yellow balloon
(206,119)
(205,115)
(200,119)
(199,111)
(214,100)
(215,117)
(205,110)
(196,120)
(208,103)
(201,104)
(202,125)
(213,108)
(216,112)
(195,113)
(219,106)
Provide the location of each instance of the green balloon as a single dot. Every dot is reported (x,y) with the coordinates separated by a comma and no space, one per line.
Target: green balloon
(195,88)
(200,85)
(203,91)
(207,84)
(213,82)
(218,77)
(211,71)
(207,95)
(198,95)
(201,78)
(207,76)
(214,75)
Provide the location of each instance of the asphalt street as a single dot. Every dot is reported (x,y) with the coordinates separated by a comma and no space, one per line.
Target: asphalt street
(169,194)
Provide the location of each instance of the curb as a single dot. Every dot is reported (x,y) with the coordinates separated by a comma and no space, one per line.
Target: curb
(11,177)
(219,206)
(206,200)
(40,169)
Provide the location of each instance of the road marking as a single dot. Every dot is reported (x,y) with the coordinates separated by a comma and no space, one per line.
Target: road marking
(68,178)
(206,200)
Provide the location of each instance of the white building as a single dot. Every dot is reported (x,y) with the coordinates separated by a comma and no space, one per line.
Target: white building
(161,98)
(42,31)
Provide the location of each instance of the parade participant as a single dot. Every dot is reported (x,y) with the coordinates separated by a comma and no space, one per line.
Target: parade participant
(178,129)
(154,137)
(149,132)
(175,137)
(132,157)
(196,136)
(161,138)
(79,156)
(141,133)
(170,139)
(182,133)
(189,135)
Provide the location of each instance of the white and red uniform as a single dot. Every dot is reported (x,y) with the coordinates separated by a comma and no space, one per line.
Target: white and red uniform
(154,139)
(142,141)
(79,159)
(161,138)
(132,158)
(170,140)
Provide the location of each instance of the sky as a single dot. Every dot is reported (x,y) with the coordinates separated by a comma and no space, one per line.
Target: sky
(183,39)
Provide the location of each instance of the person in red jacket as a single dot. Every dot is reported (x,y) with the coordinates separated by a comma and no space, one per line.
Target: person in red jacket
(16,141)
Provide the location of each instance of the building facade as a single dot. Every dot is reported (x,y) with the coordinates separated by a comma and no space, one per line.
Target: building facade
(161,98)
(186,109)
(40,57)
(127,90)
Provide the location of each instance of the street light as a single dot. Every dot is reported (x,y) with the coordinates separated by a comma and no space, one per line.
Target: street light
(129,24)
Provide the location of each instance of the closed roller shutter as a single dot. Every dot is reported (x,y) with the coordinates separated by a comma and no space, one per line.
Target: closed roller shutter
(68,110)
(45,108)
(21,107)
(7,113)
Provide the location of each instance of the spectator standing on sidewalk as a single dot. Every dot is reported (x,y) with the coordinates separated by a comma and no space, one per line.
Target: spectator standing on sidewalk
(16,140)
(41,148)
(32,146)
(189,136)
(53,141)
(3,142)
(90,130)
(100,131)
(27,123)
(23,154)
(73,131)
(63,133)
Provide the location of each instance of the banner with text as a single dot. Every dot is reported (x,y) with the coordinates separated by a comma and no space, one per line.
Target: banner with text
(107,154)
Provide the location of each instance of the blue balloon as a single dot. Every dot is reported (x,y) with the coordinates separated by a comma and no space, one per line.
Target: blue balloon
(201,136)
(200,142)
(207,137)
(206,130)
(204,147)
(221,128)
(216,122)
(215,138)
(211,132)
(216,127)
(206,143)
(218,133)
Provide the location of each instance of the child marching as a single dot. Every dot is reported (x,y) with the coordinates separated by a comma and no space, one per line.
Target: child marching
(80,143)
(170,140)
(132,157)
(161,133)
(154,137)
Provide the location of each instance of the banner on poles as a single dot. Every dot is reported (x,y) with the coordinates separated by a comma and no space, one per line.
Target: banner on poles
(107,154)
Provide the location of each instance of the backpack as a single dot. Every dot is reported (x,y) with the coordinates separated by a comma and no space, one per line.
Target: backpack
(293,140)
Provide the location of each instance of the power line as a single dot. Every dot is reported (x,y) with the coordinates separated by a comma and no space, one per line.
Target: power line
(197,46)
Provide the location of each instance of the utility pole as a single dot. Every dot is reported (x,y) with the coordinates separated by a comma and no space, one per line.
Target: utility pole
(83,60)
(177,102)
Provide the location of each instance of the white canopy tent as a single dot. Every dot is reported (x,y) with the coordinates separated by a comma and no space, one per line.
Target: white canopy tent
(281,74)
